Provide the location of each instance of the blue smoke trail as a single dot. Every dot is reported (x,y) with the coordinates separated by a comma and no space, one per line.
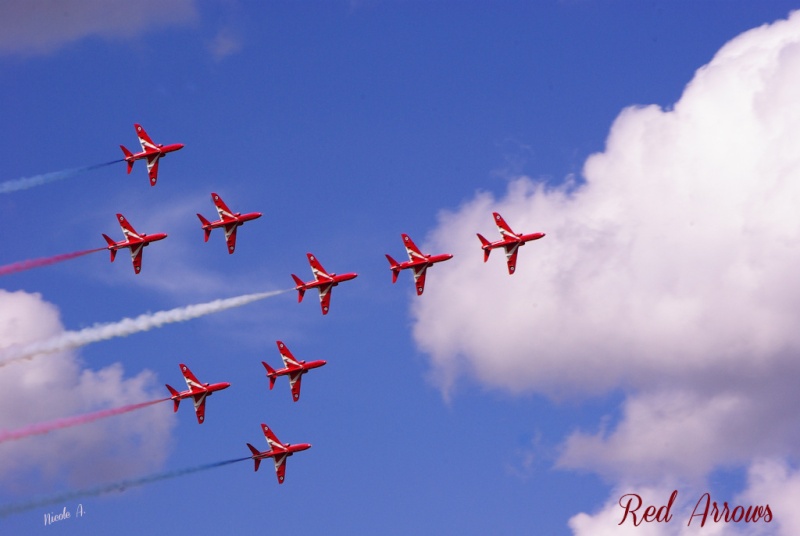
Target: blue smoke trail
(11,509)
(37,180)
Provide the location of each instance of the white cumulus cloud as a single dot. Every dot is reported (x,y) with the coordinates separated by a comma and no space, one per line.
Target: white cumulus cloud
(669,273)
(40,391)
(40,26)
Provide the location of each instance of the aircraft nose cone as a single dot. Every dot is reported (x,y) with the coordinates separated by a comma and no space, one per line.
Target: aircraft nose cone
(225,385)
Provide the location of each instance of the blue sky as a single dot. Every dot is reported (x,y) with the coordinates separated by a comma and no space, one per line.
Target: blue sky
(346,124)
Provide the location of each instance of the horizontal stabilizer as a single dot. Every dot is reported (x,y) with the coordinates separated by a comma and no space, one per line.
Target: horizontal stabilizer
(270,374)
(394,267)
(175,397)
(126,152)
(111,247)
(486,245)
(206,226)
(300,290)
(255,453)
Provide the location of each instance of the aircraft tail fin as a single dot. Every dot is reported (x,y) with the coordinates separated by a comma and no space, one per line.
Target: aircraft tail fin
(175,397)
(255,452)
(394,267)
(206,226)
(270,374)
(485,245)
(300,290)
(128,155)
(111,247)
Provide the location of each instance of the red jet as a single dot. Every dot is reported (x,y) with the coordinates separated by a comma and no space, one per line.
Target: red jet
(197,392)
(227,220)
(133,240)
(510,241)
(417,261)
(150,151)
(323,281)
(294,368)
(277,451)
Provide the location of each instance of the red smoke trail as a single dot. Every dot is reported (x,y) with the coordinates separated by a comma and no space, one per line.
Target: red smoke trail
(35,263)
(43,428)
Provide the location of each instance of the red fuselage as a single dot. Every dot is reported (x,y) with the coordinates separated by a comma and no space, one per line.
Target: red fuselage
(209,389)
(238,219)
(429,260)
(519,240)
(161,150)
(288,451)
(144,241)
(325,282)
(302,369)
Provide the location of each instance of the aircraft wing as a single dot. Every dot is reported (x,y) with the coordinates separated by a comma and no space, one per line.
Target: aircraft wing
(144,139)
(325,298)
(280,466)
(200,406)
(136,255)
(127,229)
(511,256)
(152,168)
(289,360)
(230,236)
(272,439)
(294,381)
(317,269)
(192,382)
(411,248)
(502,226)
(224,212)
(419,278)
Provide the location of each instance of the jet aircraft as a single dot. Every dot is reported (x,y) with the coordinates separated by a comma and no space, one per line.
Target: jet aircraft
(510,241)
(417,261)
(278,452)
(197,392)
(294,368)
(228,220)
(150,152)
(133,240)
(323,281)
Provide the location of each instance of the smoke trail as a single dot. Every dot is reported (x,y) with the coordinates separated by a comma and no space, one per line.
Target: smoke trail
(67,422)
(37,180)
(35,263)
(127,326)
(11,509)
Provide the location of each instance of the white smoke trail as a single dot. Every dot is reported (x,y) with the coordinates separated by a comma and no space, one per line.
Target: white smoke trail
(36,180)
(127,326)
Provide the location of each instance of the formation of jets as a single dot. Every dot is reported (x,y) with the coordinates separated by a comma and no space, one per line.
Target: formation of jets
(324,281)
(198,392)
(151,152)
